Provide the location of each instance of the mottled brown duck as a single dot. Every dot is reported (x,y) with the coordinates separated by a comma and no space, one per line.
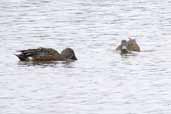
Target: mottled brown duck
(46,54)
(128,46)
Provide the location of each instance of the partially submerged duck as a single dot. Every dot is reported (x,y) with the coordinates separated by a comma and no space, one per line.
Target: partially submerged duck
(123,47)
(128,46)
(133,45)
(46,54)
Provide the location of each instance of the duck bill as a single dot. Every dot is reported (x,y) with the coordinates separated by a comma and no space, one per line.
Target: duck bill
(74,58)
(124,50)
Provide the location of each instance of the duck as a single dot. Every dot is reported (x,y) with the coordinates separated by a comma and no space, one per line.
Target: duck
(46,54)
(126,47)
(123,47)
(133,45)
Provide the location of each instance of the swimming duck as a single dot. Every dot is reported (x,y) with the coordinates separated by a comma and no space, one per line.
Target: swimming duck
(123,47)
(128,46)
(133,45)
(46,54)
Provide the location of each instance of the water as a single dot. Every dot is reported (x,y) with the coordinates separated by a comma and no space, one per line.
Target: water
(101,81)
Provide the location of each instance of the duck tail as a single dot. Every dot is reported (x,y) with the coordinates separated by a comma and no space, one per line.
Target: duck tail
(22,57)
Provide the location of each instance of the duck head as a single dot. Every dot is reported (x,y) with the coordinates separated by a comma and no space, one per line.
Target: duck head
(68,53)
(124,47)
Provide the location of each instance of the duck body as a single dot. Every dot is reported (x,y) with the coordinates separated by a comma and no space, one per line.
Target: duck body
(133,45)
(46,54)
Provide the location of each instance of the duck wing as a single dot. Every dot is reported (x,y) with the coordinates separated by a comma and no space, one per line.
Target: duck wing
(39,54)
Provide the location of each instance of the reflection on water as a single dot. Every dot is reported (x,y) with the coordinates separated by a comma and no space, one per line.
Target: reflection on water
(45,63)
(101,81)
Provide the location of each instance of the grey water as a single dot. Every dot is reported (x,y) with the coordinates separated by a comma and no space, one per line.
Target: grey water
(101,81)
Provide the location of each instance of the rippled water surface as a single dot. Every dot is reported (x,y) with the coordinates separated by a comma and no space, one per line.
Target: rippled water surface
(101,81)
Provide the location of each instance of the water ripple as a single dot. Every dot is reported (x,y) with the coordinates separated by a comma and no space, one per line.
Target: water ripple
(101,81)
